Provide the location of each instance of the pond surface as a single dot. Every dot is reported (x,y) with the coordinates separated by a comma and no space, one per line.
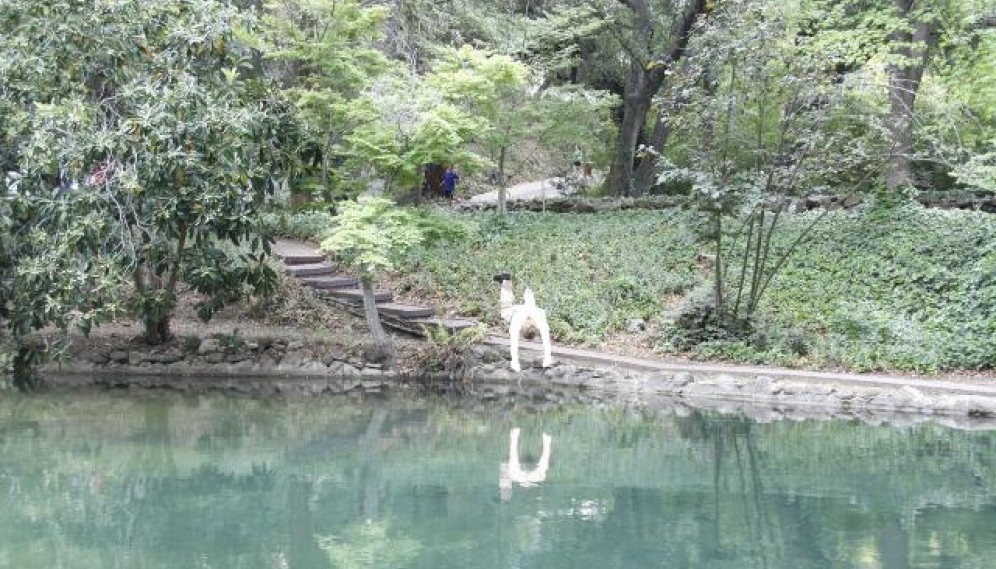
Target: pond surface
(143,481)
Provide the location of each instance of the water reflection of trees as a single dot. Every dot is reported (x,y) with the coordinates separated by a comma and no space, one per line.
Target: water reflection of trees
(118,482)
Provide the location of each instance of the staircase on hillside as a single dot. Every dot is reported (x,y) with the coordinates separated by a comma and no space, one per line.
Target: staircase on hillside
(312,269)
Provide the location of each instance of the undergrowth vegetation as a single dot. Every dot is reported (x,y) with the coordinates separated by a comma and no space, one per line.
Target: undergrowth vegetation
(302,225)
(903,288)
(591,272)
(899,288)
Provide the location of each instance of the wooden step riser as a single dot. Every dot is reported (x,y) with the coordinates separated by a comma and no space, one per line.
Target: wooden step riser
(451,325)
(416,327)
(304,271)
(329,283)
(292,260)
(356,296)
(405,311)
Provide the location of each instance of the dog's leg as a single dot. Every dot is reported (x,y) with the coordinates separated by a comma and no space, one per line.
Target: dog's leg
(513,336)
(506,300)
(544,461)
(544,329)
(514,466)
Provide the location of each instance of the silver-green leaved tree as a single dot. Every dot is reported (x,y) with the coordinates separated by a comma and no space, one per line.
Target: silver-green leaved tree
(138,148)
(371,235)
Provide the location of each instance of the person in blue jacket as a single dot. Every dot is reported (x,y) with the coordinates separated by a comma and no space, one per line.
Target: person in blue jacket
(450,179)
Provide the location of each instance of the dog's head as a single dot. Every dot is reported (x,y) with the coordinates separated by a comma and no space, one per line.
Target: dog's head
(502,277)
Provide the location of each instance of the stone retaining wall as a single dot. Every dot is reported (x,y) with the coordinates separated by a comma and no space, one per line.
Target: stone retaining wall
(291,367)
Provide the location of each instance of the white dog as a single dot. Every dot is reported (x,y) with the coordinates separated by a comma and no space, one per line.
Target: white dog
(511,472)
(517,315)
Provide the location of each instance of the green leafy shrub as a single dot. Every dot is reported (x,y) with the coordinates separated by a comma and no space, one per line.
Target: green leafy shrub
(448,352)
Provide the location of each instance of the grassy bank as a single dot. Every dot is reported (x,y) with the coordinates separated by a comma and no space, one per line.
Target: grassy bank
(592,273)
(907,288)
(901,289)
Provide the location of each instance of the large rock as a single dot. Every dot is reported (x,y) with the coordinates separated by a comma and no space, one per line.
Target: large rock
(97,357)
(215,357)
(293,359)
(237,357)
(166,357)
(971,405)
(137,358)
(333,356)
(349,371)
(208,345)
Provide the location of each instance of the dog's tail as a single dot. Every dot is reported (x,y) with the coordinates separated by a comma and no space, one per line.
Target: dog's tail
(527,298)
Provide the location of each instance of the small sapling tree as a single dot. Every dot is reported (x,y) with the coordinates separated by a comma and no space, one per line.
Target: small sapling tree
(515,107)
(408,126)
(324,51)
(773,123)
(493,87)
(370,236)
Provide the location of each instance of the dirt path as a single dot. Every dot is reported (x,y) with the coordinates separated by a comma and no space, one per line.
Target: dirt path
(526,191)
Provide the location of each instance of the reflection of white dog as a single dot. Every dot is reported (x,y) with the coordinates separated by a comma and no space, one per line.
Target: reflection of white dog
(511,472)
(517,315)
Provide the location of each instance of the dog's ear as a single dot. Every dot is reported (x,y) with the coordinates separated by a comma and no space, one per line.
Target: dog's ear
(502,277)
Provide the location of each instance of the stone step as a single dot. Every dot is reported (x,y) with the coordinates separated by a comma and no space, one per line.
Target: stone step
(417,326)
(326,283)
(355,295)
(405,311)
(311,270)
(452,325)
(301,258)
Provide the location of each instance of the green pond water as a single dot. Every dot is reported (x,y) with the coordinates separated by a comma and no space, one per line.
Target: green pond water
(144,481)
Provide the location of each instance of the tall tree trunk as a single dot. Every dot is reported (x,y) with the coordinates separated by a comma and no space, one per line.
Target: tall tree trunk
(913,47)
(647,73)
(718,284)
(636,103)
(326,175)
(372,315)
(370,475)
(157,329)
(894,546)
(502,189)
(645,177)
(157,312)
(302,549)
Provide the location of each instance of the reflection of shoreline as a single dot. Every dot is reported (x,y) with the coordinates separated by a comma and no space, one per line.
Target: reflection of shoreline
(511,472)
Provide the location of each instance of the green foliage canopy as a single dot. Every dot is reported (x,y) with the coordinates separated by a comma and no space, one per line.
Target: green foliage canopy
(371,235)
(324,54)
(144,111)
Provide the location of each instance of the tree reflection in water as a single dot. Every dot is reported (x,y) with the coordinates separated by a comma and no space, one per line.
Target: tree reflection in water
(98,481)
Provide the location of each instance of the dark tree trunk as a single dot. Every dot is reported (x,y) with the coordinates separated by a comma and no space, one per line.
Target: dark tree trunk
(157,330)
(646,76)
(24,369)
(373,315)
(636,103)
(157,313)
(646,173)
(904,82)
